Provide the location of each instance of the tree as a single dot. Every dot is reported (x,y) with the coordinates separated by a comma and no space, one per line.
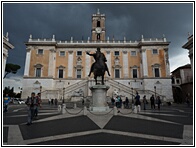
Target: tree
(11,68)
(9,91)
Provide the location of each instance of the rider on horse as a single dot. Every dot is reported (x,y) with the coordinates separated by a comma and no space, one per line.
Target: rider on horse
(95,57)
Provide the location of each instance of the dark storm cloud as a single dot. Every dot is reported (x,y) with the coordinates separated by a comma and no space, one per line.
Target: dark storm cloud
(66,20)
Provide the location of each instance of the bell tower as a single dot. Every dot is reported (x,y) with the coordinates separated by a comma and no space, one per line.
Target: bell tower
(98,27)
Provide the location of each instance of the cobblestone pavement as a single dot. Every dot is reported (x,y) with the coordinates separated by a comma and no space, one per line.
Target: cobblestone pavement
(172,125)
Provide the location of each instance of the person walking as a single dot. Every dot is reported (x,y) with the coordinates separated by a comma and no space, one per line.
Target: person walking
(144,102)
(152,102)
(6,101)
(30,102)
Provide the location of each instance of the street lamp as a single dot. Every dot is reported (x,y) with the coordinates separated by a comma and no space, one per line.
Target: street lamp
(40,90)
(63,94)
(155,91)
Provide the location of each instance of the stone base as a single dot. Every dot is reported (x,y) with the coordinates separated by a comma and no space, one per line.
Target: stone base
(99,98)
(99,109)
(75,99)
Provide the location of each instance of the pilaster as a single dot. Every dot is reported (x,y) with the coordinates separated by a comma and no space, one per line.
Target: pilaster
(27,62)
(125,64)
(70,64)
(144,63)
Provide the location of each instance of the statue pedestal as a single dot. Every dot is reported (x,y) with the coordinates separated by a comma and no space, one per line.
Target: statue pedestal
(99,98)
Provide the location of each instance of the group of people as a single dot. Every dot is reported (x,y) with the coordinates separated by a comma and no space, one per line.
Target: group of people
(33,103)
(52,101)
(154,101)
(118,102)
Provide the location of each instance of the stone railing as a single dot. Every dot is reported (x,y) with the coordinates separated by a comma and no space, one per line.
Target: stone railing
(99,42)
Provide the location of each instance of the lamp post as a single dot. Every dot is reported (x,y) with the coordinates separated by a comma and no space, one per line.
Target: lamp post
(40,89)
(155,91)
(63,94)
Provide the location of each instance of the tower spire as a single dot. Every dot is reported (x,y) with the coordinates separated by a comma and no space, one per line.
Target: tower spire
(98,11)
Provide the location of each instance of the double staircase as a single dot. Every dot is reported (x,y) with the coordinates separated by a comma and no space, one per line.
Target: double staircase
(123,89)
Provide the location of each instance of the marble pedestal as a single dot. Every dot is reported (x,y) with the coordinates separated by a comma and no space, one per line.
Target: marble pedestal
(99,98)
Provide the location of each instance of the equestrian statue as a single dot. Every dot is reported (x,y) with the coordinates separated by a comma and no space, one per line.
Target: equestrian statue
(99,66)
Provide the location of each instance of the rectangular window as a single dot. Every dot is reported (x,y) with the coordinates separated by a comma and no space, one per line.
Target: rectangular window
(117,73)
(155,51)
(40,51)
(38,72)
(60,73)
(79,53)
(79,73)
(156,72)
(134,73)
(116,53)
(133,53)
(62,53)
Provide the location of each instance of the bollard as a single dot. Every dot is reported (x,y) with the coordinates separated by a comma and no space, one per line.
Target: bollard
(122,107)
(135,109)
(75,105)
(63,108)
(139,108)
(115,110)
(59,109)
(85,111)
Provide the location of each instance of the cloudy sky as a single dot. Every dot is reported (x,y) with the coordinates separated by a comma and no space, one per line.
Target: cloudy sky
(66,20)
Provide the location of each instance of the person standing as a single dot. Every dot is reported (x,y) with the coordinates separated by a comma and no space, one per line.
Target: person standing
(49,101)
(145,102)
(6,101)
(55,101)
(30,102)
(188,99)
(137,99)
(158,102)
(38,104)
(152,102)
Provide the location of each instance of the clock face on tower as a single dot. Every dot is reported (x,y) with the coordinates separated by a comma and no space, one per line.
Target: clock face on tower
(98,30)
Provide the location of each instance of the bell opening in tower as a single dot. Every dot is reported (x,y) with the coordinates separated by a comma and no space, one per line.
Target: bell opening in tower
(98,23)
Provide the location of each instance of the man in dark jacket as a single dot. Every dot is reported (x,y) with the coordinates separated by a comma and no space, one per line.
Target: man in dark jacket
(31,104)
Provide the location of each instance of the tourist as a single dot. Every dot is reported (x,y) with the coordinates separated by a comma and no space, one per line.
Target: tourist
(38,104)
(6,101)
(188,99)
(126,102)
(31,107)
(144,102)
(52,101)
(55,101)
(49,101)
(152,102)
(158,102)
(137,99)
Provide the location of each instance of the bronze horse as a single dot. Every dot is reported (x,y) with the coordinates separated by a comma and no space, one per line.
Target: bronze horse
(99,67)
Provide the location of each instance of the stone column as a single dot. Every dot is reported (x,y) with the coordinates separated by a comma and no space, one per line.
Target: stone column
(70,64)
(27,62)
(51,68)
(144,63)
(125,64)
(87,65)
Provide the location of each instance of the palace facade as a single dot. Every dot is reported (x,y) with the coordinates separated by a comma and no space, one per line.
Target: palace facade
(60,68)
